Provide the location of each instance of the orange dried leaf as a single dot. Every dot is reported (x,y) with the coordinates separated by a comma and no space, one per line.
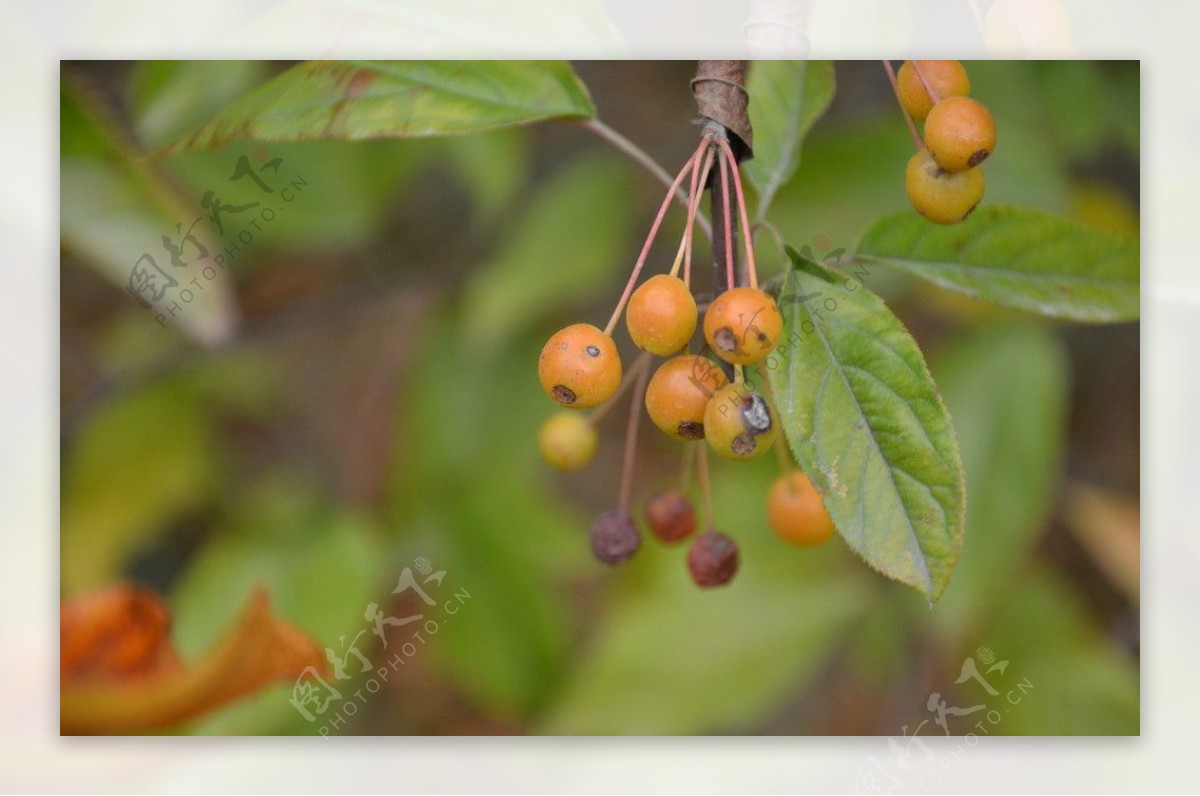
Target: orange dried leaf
(119,633)
(119,673)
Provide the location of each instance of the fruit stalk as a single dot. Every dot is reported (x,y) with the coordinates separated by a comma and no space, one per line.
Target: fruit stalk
(658,219)
(912,128)
(631,433)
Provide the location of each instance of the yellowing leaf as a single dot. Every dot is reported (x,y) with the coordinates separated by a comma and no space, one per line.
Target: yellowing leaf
(396,99)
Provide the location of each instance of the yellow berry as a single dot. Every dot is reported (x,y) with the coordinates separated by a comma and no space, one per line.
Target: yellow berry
(739,423)
(941,196)
(567,441)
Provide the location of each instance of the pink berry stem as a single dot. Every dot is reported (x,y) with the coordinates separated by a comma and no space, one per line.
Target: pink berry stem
(693,211)
(748,241)
(933,95)
(641,260)
(729,282)
(705,484)
(627,147)
(912,128)
(639,364)
(631,432)
(685,467)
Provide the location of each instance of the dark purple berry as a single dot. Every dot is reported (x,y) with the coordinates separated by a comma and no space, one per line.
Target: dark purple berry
(712,559)
(670,516)
(614,537)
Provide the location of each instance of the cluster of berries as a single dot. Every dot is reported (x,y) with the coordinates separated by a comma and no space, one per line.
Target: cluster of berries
(690,397)
(943,179)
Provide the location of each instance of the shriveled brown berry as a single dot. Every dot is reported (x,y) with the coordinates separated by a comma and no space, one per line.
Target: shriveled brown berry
(670,516)
(615,537)
(712,559)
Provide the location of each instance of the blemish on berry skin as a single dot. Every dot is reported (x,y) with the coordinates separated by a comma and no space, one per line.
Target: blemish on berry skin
(725,339)
(563,394)
(756,414)
(691,430)
(743,444)
(593,351)
(978,157)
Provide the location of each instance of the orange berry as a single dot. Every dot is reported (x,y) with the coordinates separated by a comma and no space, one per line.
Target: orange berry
(941,196)
(796,511)
(661,316)
(679,392)
(743,325)
(946,78)
(960,133)
(579,366)
(740,424)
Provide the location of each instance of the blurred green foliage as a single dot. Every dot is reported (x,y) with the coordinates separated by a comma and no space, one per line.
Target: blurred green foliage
(205,472)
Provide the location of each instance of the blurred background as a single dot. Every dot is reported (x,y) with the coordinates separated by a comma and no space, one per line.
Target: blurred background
(356,392)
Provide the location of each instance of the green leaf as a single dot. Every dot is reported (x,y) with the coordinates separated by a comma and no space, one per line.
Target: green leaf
(1016,257)
(565,247)
(138,464)
(493,167)
(171,97)
(786,99)
(1006,388)
(118,209)
(396,99)
(865,421)
(1082,682)
(339,193)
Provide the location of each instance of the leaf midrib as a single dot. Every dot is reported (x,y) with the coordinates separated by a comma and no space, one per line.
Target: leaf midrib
(834,364)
